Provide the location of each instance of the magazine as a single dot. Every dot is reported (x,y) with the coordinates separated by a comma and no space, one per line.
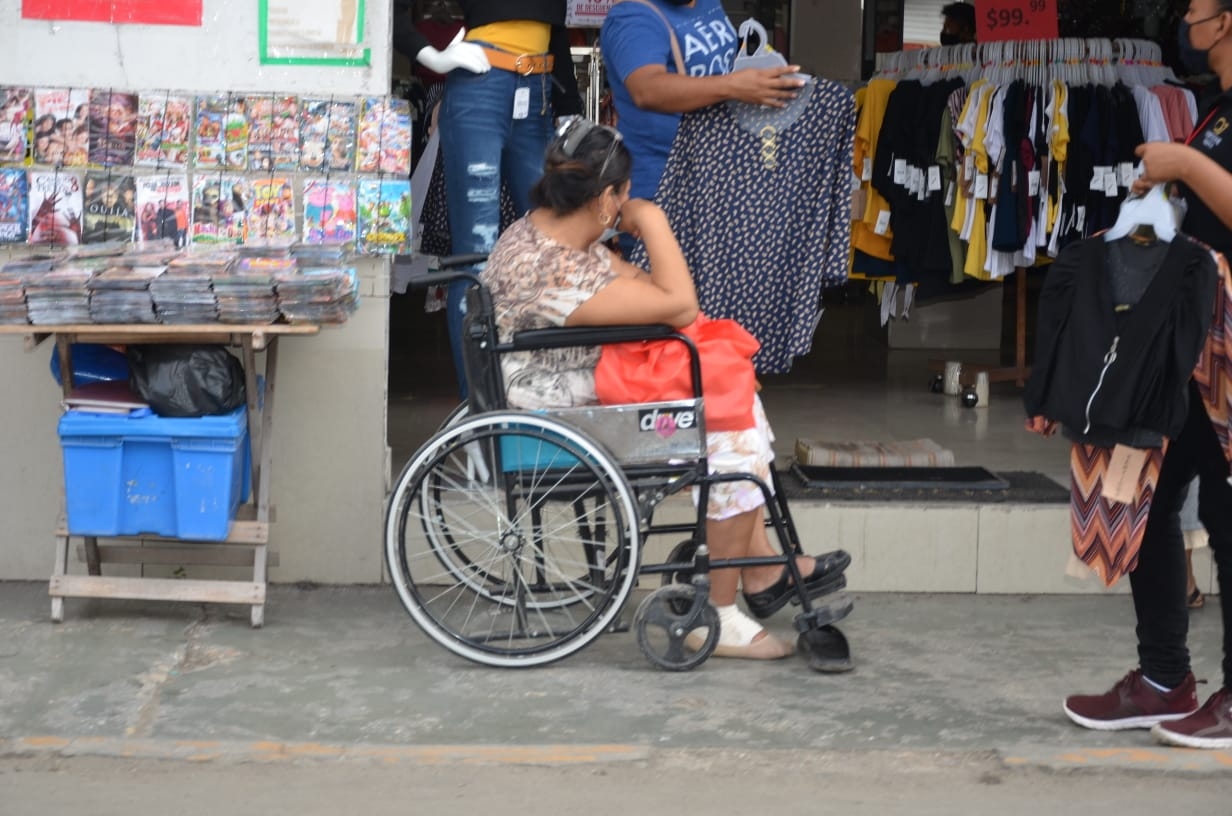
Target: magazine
(14,198)
(220,209)
(272,214)
(113,127)
(329,211)
(162,208)
(62,126)
(327,135)
(384,215)
(273,135)
(110,207)
(163,124)
(55,207)
(384,140)
(16,105)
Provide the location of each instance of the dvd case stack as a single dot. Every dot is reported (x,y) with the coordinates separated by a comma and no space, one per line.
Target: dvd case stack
(185,292)
(61,296)
(245,292)
(121,294)
(12,297)
(320,289)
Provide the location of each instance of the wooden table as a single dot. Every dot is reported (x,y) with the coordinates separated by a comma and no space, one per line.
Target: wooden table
(247,541)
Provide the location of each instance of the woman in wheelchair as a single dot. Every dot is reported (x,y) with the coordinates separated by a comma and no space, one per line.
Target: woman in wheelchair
(551,269)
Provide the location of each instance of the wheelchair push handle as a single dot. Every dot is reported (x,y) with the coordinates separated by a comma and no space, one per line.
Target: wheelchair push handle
(448,266)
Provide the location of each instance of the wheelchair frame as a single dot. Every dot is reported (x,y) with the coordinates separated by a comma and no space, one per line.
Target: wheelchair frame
(514,538)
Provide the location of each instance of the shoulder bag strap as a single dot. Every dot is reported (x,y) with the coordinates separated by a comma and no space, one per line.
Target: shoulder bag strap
(671,33)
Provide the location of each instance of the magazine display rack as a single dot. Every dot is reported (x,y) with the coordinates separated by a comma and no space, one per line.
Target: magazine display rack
(247,540)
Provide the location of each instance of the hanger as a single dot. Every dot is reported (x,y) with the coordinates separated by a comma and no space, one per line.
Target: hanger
(1148,216)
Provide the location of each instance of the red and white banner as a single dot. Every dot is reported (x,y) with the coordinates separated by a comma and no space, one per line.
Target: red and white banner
(587,13)
(998,20)
(149,12)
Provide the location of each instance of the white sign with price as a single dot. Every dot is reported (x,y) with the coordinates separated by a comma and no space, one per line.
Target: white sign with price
(587,13)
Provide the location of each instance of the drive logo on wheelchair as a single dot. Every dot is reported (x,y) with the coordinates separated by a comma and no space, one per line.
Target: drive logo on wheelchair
(666,423)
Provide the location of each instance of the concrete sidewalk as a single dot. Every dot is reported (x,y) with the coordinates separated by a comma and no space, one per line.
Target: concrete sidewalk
(342,672)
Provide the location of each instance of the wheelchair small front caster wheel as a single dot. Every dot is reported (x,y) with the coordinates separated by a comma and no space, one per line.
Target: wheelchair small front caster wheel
(969,398)
(937,384)
(664,621)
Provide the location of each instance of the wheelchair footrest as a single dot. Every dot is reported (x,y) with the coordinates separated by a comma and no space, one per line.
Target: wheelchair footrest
(824,614)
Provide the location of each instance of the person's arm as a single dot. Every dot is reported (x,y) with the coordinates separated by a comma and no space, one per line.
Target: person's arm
(654,88)
(666,295)
(1164,162)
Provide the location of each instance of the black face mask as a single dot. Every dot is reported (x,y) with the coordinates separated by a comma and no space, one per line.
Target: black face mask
(949,38)
(1195,60)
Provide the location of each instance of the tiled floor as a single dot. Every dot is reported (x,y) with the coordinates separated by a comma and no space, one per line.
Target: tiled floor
(851,387)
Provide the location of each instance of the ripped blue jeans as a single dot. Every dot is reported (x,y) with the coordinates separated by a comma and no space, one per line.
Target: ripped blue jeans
(481,146)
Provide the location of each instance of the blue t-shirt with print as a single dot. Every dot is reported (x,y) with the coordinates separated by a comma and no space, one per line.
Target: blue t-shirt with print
(634,36)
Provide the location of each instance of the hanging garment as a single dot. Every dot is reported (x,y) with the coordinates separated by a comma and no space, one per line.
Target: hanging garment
(1119,330)
(760,201)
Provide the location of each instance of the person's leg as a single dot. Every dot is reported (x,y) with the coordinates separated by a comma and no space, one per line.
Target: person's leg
(475,118)
(1158,582)
(522,162)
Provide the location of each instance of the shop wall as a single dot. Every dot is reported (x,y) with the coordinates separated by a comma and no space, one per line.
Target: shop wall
(826,36)
(330,457)
(220,54)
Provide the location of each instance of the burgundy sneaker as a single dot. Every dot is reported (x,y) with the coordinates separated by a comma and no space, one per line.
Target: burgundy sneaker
(1133,703)
(1208,727)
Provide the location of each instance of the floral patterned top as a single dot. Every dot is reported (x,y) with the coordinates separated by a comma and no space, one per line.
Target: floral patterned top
(536,283)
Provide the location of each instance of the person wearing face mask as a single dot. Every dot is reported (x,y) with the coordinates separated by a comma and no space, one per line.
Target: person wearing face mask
(958,24)
(1161,694)
(639,39)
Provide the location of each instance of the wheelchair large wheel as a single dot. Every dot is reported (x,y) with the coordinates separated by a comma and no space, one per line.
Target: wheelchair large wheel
(525,567)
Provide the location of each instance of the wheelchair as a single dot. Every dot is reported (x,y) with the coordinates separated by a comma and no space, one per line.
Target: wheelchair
(515,538)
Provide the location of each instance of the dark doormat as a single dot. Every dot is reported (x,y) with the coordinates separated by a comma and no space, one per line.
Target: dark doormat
(923,484)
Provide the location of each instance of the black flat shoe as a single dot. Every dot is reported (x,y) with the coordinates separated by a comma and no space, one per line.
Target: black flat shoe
(827,576)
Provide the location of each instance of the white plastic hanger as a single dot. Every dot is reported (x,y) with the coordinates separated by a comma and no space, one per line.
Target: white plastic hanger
(1150,210)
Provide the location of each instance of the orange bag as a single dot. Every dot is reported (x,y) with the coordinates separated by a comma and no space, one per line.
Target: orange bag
(657,370)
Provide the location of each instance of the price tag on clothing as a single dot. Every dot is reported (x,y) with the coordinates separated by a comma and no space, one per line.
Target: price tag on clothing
(1110,183)
(949,194)
(883,223)
(521,103)
(900,172)
(1097,177)
(1120,482)
(1000,20)
(917,181)
(866,173)
(1126,173)
(934,178)
(1033,183)
(1080,218)
(981,186)
(968,167)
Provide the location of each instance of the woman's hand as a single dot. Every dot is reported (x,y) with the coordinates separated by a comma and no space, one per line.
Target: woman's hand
(1163,162)
(637,214)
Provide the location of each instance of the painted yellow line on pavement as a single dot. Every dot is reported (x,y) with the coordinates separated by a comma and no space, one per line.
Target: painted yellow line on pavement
(1157,759)
(275,751)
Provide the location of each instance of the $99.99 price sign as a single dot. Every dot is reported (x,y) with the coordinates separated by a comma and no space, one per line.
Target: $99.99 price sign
(997,20)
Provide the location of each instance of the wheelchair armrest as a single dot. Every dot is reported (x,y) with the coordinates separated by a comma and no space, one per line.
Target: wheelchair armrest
(589,336)
(603,335)
(448,263)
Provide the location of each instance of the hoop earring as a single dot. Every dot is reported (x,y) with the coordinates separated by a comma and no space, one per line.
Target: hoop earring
(605,220)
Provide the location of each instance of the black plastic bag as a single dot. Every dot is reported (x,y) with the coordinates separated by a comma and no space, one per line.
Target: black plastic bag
(186,380)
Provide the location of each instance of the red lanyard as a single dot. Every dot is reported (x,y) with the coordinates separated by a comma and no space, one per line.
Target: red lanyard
(1200,127)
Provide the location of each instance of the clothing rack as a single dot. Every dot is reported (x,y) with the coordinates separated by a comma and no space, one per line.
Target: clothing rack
(1073,61)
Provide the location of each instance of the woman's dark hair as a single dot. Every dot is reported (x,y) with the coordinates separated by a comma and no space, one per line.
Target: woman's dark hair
(581,162)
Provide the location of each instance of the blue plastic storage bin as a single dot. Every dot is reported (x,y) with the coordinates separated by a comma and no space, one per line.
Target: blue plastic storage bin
(146,474)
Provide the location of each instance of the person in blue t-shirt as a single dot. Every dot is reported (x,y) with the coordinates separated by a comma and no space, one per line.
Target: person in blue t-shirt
(650,94)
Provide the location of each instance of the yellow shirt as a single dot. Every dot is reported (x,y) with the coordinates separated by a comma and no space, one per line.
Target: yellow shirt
(871,102)
(514,36)
(977,246)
